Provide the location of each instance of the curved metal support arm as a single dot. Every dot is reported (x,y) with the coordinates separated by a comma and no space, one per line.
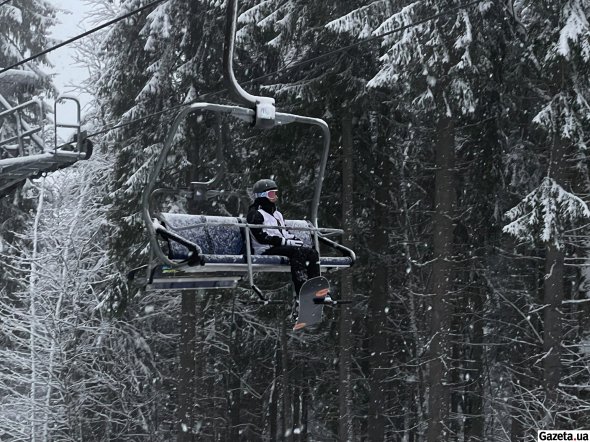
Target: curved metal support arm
(292,118)
(195,250)
(264,106)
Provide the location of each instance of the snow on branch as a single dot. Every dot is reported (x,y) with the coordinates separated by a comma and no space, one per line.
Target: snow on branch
(575,31)
(561,115)
(11,12)
(404,17)
(257,13)
(21,78)
(466,38)
(362,21)
(544,213)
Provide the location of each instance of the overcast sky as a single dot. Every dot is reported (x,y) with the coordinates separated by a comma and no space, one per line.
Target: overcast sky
(72,23)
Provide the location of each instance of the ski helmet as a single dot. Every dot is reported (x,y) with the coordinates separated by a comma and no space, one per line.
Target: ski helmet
(263,185)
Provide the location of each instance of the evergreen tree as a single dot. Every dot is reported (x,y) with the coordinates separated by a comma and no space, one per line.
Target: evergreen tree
(557,57)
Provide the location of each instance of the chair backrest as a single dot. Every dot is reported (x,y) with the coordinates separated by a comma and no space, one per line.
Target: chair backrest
(215,238)
(303,235)
(206,231)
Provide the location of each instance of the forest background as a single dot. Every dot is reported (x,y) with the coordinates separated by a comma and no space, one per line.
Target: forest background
(459,173)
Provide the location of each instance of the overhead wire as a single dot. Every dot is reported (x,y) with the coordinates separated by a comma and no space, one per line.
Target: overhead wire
(374,38)
(79,36)
(294,66)
(5,2)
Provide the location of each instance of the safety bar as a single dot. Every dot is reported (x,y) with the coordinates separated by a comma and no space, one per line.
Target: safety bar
(20,136)
(261,226)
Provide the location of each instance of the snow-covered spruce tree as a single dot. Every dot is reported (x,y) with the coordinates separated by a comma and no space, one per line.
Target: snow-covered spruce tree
(437,72)
(23,31)
(558,55)
(24,26)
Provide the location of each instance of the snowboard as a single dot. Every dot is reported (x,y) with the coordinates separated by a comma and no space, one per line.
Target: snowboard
(311,297)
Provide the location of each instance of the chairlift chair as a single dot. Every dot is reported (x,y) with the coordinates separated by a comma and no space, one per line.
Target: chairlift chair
(211,252)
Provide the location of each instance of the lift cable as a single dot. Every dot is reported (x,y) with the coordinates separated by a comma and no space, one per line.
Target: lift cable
(291,67)
(79,36)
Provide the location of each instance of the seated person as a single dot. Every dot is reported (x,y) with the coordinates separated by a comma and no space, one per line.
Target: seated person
(268,241)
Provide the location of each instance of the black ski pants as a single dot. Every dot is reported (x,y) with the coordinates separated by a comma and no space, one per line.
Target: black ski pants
(305,262)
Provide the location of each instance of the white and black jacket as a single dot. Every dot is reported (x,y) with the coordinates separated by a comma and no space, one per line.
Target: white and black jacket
(265,213)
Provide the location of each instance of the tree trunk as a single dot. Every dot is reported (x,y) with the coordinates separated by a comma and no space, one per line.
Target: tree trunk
(345,427)
(235,378)
(186,379)
(296,409)
(274,397)
(377,351)
(305,399)
(552,334)
(474,424)
(412,432)
(553,287)
(376,326)
(287,409)
(441,279)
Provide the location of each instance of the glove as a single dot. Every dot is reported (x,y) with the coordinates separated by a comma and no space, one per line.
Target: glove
(292,242)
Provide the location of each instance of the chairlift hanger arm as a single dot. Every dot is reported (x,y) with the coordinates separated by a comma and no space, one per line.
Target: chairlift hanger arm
(264,107)
(243,114)
(292,118)
(247,115)
(236,91)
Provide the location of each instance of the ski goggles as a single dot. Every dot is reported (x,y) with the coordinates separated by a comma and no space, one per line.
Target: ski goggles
(271,194)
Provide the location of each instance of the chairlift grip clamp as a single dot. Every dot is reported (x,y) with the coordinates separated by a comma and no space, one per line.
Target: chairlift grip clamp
(265,113)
